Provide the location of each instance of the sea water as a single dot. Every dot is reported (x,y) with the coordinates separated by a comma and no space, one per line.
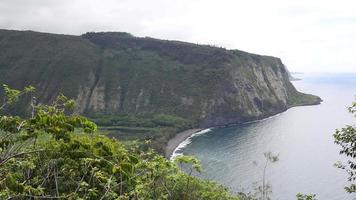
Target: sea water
(302,137)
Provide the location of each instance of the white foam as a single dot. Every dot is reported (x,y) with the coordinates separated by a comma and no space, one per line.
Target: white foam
(186,142)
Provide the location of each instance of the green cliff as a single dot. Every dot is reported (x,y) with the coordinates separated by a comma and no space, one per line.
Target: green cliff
(117,74)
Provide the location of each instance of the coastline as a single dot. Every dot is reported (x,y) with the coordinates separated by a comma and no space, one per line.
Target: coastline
(174,142)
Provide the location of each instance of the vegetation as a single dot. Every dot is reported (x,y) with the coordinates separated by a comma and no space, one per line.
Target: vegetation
(133,88)
(156,128)
(346,138)
(43,157)
(149,121)
(300,99)
(119,75)
(264,190)
(306,196)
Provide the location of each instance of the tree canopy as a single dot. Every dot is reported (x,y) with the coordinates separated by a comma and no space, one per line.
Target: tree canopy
(55,154)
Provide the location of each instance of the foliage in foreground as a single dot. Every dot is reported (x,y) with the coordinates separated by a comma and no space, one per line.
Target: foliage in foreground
(42,158)
(346,138)
(96,167)
(306,196)
(264,190)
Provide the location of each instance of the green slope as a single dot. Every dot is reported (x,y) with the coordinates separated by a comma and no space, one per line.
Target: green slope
(119,74)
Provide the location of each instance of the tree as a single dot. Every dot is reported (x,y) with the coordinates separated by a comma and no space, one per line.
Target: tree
(10,126)
(306,196)
(57,155)
(346,138)
(264,189)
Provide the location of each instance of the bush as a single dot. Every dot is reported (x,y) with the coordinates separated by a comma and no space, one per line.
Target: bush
(43,157)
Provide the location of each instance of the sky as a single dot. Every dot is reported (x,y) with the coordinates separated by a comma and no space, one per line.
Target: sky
(308,35)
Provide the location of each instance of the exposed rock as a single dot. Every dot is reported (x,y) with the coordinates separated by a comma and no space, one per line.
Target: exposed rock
(118,73)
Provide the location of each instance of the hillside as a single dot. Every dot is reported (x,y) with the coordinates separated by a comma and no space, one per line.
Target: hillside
(119,74)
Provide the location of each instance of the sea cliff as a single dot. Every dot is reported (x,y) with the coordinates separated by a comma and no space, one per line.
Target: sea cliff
(119,74)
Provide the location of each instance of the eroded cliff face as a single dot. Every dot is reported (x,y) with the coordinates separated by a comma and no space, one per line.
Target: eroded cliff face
(116,73)
(257,87)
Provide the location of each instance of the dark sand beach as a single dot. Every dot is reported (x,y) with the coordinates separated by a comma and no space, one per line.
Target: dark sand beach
(176,140)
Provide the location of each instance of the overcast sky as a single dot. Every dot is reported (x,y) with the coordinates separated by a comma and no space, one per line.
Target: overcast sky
(308,35)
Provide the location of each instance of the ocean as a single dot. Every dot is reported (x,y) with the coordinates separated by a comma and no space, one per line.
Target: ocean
(302,137)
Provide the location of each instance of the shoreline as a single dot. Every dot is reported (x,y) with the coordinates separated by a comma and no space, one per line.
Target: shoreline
(180,137)
(174,142)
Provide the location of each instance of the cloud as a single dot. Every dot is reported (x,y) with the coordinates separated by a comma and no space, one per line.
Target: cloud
(317,35)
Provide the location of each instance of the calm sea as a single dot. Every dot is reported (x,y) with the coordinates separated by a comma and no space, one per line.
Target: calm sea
(301,136)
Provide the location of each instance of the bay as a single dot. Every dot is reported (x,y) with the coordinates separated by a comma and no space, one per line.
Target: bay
(301,136)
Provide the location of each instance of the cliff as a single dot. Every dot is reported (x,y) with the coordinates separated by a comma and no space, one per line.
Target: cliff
(117,73)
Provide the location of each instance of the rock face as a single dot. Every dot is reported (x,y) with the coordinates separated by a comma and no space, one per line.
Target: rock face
(117,73)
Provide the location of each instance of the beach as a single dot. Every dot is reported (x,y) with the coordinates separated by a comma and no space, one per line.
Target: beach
(177,139)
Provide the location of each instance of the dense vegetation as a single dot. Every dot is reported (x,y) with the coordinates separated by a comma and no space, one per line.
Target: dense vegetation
(145,88)
(53,155)
(118,74)
(157,128)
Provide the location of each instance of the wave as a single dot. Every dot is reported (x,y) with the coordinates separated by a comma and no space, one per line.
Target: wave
(186,142)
